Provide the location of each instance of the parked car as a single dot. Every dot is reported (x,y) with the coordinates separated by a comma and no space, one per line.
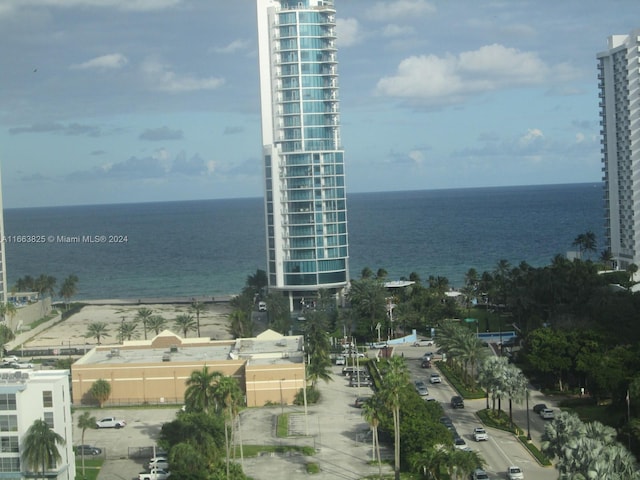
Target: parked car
(360,382)
(158,463)
(425,364)
(353,372)
(515,473)
(421,388)
(423,343)
(547,414)
(360,401)
(435,378)
(110,422)
(460,444)
(262,307)
(480,474)
(10,358)
(18,365)
(340,360)
(446,421)
(379,345)
(457,402)
(157,474)
(480,434)
(88,450)
(427,356)
(539,407)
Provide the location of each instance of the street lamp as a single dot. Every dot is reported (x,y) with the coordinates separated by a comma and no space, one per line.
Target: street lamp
(528,424)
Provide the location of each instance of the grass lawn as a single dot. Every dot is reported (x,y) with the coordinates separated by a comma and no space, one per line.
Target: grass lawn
(590,412)
(91,467)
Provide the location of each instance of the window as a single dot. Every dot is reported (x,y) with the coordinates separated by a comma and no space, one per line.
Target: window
(47,398)
(7,401)
(48,418)
(9,464)
(8,423)
(9,444)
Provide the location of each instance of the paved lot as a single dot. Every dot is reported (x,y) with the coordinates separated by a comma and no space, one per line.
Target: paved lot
(333,427)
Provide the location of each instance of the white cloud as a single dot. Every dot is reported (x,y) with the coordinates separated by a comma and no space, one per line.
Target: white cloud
(580,137)
(429,79)
(417,157)
(393,30)
(384,11)
(348,31)
(232,47)
(9,6)
(110,61)
(532,136)
(162,78)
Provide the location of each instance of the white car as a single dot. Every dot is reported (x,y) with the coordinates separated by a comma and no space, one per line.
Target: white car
(158,463)
(110,422)
(480,434)
(423,343)
(515,473)
(157,474)
(460,444)
(340,360)
(547,414)
(10,359)
(379,345)
(262,306)
(435,378)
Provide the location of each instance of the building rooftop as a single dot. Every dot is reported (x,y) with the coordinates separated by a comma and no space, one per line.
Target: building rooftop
(268,347)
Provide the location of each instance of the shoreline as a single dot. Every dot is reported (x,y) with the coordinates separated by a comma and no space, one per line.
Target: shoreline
(179,300)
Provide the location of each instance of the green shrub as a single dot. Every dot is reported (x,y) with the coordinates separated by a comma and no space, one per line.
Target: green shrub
(313,468)
(313,396)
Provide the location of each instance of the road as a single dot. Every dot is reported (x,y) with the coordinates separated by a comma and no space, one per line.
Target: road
(502,449)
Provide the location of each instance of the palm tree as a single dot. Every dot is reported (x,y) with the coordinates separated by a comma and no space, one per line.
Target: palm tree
(156,323)
(371,413)
(460,463)
(6,335)
(228,394)
(45,284)
(367,297)
(395,378)
(318,350)
(200,392)
(257,282)
(143,315)
(85,421)
(127,331)
(100,390)
(197,308)
(97,330)
(68,289)
(515,386)
(586,242)
(40,447)
(8,309)
(240,324)
(185,323)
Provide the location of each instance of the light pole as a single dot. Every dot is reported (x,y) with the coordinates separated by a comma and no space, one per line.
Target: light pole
(122,331)
(281,400)
(528,424)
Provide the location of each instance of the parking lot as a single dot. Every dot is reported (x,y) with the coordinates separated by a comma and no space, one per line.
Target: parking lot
(334,427)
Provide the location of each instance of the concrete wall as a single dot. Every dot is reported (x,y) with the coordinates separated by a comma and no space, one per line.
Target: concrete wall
(30,313)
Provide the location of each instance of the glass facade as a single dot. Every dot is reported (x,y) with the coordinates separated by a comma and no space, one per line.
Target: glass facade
(306,212)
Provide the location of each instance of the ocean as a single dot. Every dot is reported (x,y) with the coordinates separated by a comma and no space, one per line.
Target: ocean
(207,248)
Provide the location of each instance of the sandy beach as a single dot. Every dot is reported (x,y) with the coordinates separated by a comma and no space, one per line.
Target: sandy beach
(72,332)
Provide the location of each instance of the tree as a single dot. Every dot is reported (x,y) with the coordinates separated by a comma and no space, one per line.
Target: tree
(100,391)
(200,394)
(185,323)
(197,308)
(69,288)
(97,330)
(371,413)
(6,335)
(228,394)
(7,309)
(395,378)
(586,242)
(367,297)
(318,350)
(45,284)
(241,325)
(85,421)
(156,323)
(257,282)
(40,447)
(143,315)
(127,331)
(278,312)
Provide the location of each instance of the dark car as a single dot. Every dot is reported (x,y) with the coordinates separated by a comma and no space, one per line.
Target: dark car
(425,364)
(457,402)
(539,407)
(360,401)
(360,382)
(88,450)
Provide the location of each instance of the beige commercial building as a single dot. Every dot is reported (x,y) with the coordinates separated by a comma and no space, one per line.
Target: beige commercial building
(270,368)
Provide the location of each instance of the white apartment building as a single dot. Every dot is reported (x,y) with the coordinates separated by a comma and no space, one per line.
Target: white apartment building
(302,153)
(26,396)
(619,84)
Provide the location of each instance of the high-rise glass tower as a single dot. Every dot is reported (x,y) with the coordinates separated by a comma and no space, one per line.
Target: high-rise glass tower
(619,84)
(303,158)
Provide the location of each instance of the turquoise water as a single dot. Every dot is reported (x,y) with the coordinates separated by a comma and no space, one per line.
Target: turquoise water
(209,247)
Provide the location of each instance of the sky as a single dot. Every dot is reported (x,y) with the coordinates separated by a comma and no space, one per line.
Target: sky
(119,101)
